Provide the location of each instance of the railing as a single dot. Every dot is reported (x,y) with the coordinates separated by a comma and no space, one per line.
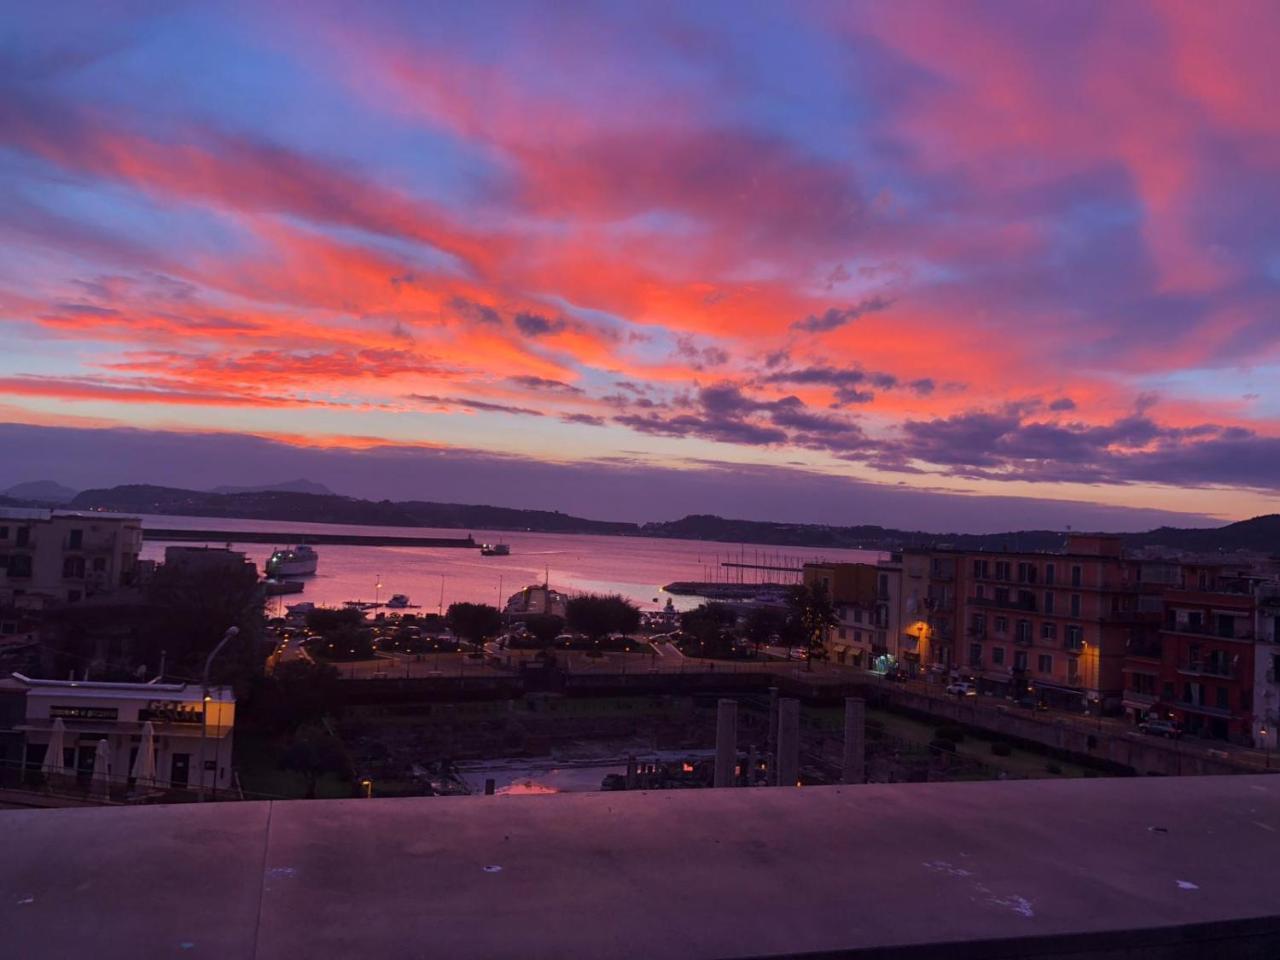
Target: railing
(1073,646)
(1027,604)
(1204,630)
(1195,669)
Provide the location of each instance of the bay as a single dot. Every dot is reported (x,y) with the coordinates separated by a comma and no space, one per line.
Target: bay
(433,578)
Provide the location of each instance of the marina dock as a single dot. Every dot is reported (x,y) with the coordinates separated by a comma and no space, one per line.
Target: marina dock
(174,535)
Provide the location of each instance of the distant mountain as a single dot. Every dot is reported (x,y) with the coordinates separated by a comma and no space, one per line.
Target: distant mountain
(331,508)
(1261,534)
(289,486)
(40,491)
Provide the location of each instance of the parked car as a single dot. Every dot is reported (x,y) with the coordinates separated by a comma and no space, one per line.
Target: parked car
(962,689)
(1161,728)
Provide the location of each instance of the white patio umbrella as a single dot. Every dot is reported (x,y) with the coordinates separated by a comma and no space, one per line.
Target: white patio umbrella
(101,783)
(54,764)
(144,764)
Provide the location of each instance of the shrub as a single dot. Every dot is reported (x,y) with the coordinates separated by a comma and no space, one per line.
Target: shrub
(1053,767)
(954,734)
(941,744)
(1000,749)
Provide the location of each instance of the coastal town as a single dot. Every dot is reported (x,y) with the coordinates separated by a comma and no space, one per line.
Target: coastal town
(1169,659)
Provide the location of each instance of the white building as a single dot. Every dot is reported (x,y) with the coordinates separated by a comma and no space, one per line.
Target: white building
(193,733)
(65,557)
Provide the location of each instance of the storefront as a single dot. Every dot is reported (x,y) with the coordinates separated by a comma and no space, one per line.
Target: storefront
(191,733)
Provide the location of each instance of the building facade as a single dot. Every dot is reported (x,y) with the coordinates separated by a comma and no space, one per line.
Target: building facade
(866,601)
(193,732)
(60,558)
(928,611)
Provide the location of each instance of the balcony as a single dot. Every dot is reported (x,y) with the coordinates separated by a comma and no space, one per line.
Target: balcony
(1027,604)
(1204,669)
(1143,701)
(1073,646)
(1206,631)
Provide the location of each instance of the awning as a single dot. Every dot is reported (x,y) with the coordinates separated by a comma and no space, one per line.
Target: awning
(996,677)
(1050,685)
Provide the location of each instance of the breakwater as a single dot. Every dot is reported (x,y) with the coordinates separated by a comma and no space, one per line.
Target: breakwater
(172,535)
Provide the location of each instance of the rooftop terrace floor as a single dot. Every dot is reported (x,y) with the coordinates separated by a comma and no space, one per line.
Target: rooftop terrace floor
(697,873)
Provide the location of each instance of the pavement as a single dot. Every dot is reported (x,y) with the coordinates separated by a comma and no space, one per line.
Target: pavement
(1157,868)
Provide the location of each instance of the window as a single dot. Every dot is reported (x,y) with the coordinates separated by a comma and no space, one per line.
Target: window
(997,655)
(77,540)
(1002,569)
(1002,624)
(1048,574)
(24,536)
(1026,573)
(73,596)
(73,567)
(1077,575)
(1167,692)
(1045,663)
(4,533)
(975,654)
(1024,631)
(980,592)
(1075,638)
(1020,660)
(19,565)
(1002,595)
(979,623)
(1075,604)
(1224,699)
(1048,631)
(1048,601)
(99,564)
(1226,625)
(979,569)
(842,634)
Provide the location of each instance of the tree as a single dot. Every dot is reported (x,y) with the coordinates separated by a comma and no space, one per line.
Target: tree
(475,622)
(763,624)
(812,609)
(544,628)
(313,752)
(597,616)
(190,608)
(706,626)
(298,693)
(345,633)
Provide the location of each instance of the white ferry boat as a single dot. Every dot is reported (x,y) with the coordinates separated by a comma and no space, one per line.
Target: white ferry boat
(299,562)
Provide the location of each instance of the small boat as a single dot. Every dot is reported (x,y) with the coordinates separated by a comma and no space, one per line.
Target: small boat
(275,588)
(297,609)
(299,562)
(398,601)
(494,550)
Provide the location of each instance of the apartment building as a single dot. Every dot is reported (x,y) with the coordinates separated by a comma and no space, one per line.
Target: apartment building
(57,558)
(865,597)
(1266,669)
(1052,626)
(932,582)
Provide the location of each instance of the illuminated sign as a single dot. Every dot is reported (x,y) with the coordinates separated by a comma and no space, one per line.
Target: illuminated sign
(84,713)
(172,711)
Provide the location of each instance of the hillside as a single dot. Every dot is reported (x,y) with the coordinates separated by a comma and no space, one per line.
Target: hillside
(1260,534)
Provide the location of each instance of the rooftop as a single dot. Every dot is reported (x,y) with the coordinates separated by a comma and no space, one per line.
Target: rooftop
(100,689)
(1029,868)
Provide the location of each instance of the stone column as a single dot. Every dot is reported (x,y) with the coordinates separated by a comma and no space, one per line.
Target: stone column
(726,742)
(855,718)
(788,742)
(771,743)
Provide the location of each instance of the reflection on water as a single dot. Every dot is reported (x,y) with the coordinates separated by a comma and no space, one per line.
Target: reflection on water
(635,567)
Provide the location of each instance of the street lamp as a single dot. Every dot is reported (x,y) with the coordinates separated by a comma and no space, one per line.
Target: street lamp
(231,634)
(368,788)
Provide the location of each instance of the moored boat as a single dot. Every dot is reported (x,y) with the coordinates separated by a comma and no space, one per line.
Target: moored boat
(299,562)
(494,550)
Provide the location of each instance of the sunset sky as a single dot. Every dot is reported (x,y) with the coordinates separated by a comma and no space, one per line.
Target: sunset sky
(917,258)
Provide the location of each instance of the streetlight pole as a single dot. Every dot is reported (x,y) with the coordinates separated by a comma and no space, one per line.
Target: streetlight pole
(231,634)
